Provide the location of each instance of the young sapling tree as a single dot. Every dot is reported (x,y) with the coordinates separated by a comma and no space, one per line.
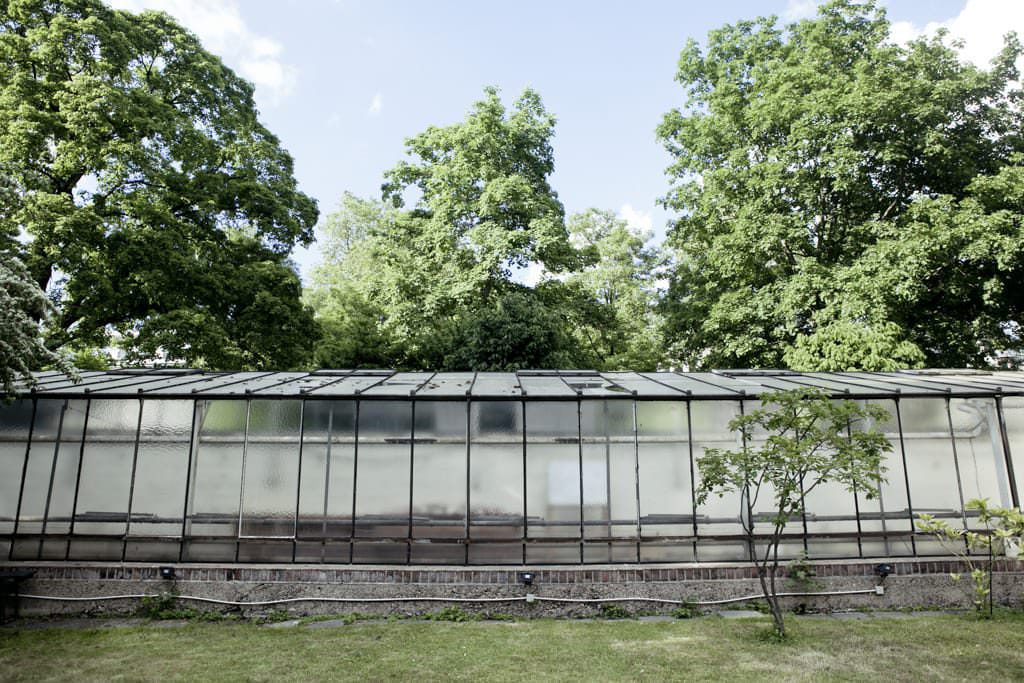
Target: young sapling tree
(795,442)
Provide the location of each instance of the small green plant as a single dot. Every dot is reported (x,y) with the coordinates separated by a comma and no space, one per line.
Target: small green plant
(451,613)
(159,606)
(977,549)
(613,611)
(802,574)
(688,610)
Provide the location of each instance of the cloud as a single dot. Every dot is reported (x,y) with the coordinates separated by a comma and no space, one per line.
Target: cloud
(800,9)
(223,31)
(981,25)
(640,222)
(376,104)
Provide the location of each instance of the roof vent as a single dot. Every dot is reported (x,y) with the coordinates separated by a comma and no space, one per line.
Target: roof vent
(947,371)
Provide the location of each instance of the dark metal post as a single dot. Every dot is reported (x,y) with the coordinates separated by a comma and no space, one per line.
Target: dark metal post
(956,468)
(298,480)
(241,484)
(579,450)
(636,474)
(1014,494)
(192,445)
(469,462)
(53,472)
(525,496)
(78,479)
(693,479)
(131,481)
(412,464)
(327,486)
(355,486)
(906,479)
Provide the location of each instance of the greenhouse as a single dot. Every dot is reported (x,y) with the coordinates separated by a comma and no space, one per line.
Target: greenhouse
(534,467)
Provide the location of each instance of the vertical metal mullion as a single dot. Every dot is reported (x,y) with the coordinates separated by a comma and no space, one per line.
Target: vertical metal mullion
(241,484)
(298,479)
(327,485)
(78,479)
(192,444)
(355,487)
(412,464)
(693,480)
(636,475)
(906,478)
(803,513)
(956,468)
(24,474)
(579,450)
(525,495)
(856,503)
(469,465)
(1007,456)
(131,481)
(53,472)
(607,476)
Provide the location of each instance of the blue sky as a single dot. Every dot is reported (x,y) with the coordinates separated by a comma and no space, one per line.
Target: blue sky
(344,82)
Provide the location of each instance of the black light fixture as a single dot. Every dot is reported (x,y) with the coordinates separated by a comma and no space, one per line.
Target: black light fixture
(526,578)
(883,570)
(167,573)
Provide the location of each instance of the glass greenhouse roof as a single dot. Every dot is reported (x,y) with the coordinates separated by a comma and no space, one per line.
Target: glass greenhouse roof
(532,384)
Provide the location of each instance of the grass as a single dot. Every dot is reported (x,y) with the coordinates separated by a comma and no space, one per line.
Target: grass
(911,649)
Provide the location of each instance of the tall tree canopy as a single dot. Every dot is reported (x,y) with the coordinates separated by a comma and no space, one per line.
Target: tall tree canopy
(844,202)
(149,198)
(433,285)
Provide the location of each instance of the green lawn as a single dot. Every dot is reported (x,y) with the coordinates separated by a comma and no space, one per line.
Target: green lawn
(916,648)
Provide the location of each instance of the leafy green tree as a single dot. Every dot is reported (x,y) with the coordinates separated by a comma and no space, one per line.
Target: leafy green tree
(797,441)
(615,312)
(22,306)
(432,285)
(837,198)
(128,153)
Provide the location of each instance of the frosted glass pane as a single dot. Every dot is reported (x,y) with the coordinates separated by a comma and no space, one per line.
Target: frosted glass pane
(12,460)
(496,473)
(552,470)
(321,475)
(666,498)
(15,419)
(161,470)
(439,471)
(271,468)
(62,496)
(609,470)
(930,462)
(886,513)
(105,480)
(719,515)
(382,480)
(217,469)
(979,450)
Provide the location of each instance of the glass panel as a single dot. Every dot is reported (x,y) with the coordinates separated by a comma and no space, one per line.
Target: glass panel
(609,478)
(439,470)
(830,510)
(271,468)
(15,419)
(336,418)
(719,515)
(979,450)
(930,463)
(161,469)
(382,484)
(216,473)
(496,475)
(552,471)
(105,480)
(666,497)
(888,512)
